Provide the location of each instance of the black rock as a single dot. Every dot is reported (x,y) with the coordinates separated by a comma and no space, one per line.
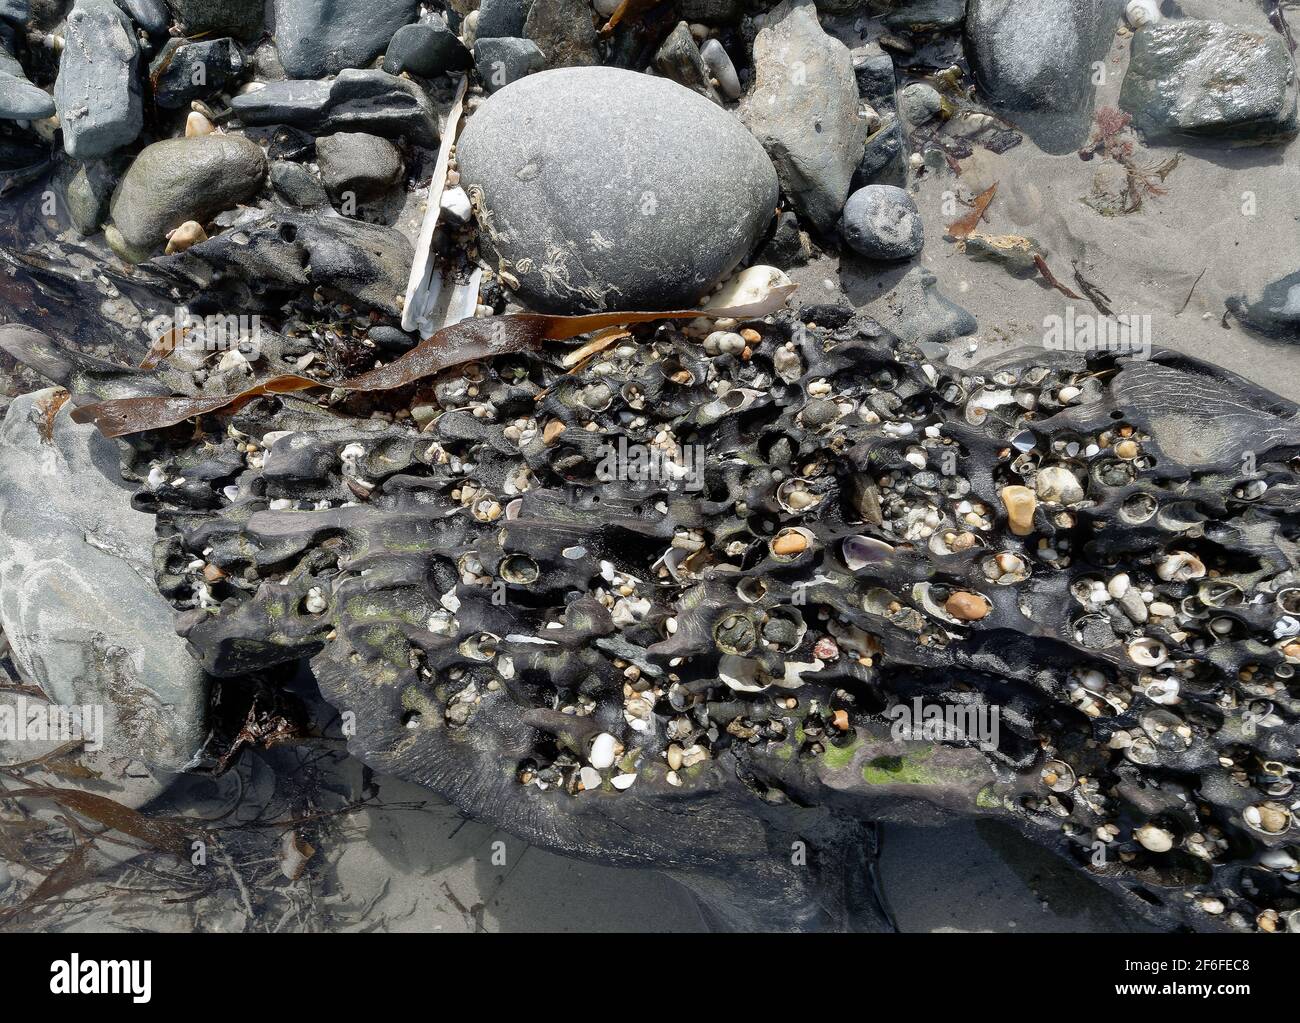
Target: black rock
(241,18)
(884,157)
(788,246)
(295,184)
(322,37)
(357,165)
(564,31)
(391,339)
(877,84)
(426,50)
(827,314)
(502,61)
(1276,312)
(150,15)
(369,101)
(185,71)
(498,18)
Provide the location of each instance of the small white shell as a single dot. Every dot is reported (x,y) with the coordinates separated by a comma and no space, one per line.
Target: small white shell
(1141,12)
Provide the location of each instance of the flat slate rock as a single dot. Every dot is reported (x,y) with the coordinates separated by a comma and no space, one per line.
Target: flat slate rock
(97,93)
(1275,312)
(187,70)
(322,37)
(369,101)
(77,596)
(1203,78)
(676,195)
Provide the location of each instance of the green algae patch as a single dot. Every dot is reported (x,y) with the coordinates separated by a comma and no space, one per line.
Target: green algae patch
(837,758)
(907,769)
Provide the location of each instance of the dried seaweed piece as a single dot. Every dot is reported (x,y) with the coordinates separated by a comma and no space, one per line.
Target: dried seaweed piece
(74,871)
(963,227)
(1050,277)
(467,341)
(163,833)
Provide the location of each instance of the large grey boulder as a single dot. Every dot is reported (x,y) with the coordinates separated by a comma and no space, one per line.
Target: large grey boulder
(1205,78)
(322,37)
(78,602)
(804,110)
(1033,60)
(177,180)
(97,93)
(369,101)
(674,197)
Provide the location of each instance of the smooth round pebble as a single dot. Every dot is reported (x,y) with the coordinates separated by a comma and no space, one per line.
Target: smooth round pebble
(882,222)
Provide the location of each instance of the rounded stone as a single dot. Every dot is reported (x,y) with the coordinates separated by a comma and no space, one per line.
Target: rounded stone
(882,222)
(676,194)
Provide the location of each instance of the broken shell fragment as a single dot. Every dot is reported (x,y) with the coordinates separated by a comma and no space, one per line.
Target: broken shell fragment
(1020,503)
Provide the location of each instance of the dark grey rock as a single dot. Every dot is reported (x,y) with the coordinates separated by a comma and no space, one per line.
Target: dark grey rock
(296,185)
(354,163)
(150,15)
(322,37)
(77,597)
(15,12)
(426,49)
(1033,60)
(273,259)
(392,339)
(89,192)
(502,61)
(20,100)
(1275,312)
(916,311)
(677,194)
(184,71)
(884,157)
(564,31)
(243,19)
(711,12)
(679,59)
(804,110)
(1206,78)
(97,93)
(720,66)
(874,70)
(882,222)
(498,18)
(370,101)
(788,246)
(177,180)
(927,15)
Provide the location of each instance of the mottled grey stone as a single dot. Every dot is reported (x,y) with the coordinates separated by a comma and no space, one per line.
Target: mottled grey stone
(426,49)
(673,198)
(1033,59)
(184,71)
(804,110)
(915,310)
(502,61)
(242,18)
(882,222)
(77,596)
(564,31)
(355,163)
(322,37)
(177,180)
(1205,78)
(369,101)
(927,15)
(97,93)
